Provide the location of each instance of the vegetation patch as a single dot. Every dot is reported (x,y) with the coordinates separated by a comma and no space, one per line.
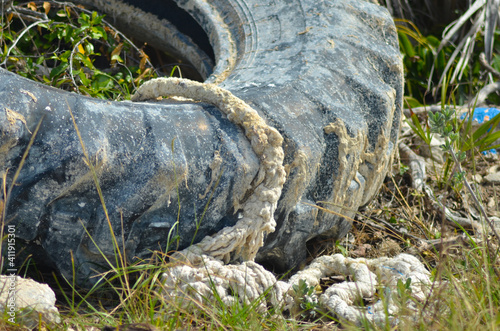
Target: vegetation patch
(72,48)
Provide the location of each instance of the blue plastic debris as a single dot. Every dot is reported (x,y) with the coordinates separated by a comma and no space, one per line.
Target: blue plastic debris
(482,115)
(369,310)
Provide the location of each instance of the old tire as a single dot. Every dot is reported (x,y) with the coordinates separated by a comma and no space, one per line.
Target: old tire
(326,74)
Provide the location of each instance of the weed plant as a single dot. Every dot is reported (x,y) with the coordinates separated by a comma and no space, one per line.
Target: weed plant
(432,61)
(69,47)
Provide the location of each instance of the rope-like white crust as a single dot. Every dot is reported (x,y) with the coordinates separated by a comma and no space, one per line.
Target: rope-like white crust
(247,282)
(367,275)
(250,283)
(247,236)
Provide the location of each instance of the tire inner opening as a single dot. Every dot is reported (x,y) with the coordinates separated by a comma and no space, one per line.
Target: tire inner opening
(186,24)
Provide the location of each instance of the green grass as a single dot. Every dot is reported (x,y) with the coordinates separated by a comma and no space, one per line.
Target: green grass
(69,47)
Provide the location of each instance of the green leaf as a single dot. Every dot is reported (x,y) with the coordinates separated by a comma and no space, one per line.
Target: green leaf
(80,32)
(433,41)
(98,32)
(485,144)
(96,19)
(89,48)
(485,127)
(102,82)
(491,147)
(405,45)
(87,91)
(64,57)
(83,77)
(440,61)
(60,81)
(45,25)
(117,58)
(411,102)
(85,60)
(84,19)
(58,70)
(418,129)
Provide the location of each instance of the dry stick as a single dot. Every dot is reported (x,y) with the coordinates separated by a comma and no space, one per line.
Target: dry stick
(441,243)
(5,6)
(416,164)
(481,209)
(439,265)
(71,62)
(460,239)
(27,14)
(391,228)
(487,66)
(421,110)
(482,95)
(456,221)
(19,38)
(474,197)
(417,171)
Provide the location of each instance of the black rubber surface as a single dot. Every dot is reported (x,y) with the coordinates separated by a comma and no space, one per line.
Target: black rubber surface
(302,64)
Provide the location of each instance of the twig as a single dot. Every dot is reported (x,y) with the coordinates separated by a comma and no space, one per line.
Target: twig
(487,66)
(19,38)
(456,221)
(71,61)
(439,244)
(5,5)
(422,244)
(421,110)
(27,14)
(388,226)
(479,100)
(416,164)
(474,197)
(482,95)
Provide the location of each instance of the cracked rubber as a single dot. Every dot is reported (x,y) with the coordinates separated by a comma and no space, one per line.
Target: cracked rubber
(326,74)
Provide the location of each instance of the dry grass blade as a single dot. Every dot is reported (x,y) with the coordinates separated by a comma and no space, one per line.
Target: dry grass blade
(453,28)
(7,193)
(485,63)
(492,9)
(486,18)
(466,41)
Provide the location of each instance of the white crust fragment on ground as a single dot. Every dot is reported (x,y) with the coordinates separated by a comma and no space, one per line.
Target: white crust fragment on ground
(247,282)
(368,275)
(27,302)
(250,283)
